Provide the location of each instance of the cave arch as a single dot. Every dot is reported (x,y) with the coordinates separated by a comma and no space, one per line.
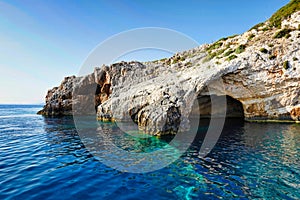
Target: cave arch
(234,108)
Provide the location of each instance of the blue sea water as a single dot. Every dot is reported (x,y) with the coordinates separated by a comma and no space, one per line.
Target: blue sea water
(44,158)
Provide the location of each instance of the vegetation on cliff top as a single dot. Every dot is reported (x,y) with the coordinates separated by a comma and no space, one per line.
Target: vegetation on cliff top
(215,50)
(280,15)
(284,13)
(240,49)
(283,33)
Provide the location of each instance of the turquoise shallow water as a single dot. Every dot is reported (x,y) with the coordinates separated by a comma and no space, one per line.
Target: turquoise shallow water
(44,158)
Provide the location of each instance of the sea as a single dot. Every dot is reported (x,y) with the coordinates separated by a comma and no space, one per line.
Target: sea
(44,158)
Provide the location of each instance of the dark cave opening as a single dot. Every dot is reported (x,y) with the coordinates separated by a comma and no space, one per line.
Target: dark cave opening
(223,105)
(217,106)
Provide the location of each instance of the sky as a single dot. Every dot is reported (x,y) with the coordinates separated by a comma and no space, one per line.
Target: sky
(43,41)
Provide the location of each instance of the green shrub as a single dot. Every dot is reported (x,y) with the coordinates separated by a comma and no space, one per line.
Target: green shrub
(266,28)
(263,50)
(257,26)
(220,52)
(298,27)
(222,39)
(251,37)
(215,45)
(226,38)
(286,64)
(272,57)
(284,13)
(240,49)
(232,36)
(212,55)
(271,45)
(231,57)
(189,64)
(295,59)
(216,53)
(177,59)
(283,33)
(206,59)
(227,53)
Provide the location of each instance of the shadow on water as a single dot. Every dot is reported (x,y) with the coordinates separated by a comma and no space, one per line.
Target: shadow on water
(59,123)
(232,127)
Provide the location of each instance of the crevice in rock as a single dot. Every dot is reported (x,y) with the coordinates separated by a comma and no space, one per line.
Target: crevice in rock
(134,113)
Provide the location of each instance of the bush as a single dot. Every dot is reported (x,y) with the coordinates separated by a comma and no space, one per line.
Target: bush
(222,39)
(295,59)
(272,57)
(206,59)
(215,45)
(263,50)
(212,55)
(231,57)
(178,58)
(220,52)
(227,53)
(189,64)
(284,13)
(251,37)
(257,26)
(283,33)
(232,36)
(266,28)
(216,53)
(286,64)
(240,49)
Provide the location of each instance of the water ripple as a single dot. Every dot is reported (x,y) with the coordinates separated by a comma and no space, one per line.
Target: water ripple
(43,158)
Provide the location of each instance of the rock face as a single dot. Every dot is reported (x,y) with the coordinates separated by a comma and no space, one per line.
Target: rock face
(258,72)
(59,99)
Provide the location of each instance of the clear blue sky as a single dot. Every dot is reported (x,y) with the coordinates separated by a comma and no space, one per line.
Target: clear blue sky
(43,41)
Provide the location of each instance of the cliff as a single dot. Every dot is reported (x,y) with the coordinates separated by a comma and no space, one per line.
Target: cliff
(58,100)
(260,71)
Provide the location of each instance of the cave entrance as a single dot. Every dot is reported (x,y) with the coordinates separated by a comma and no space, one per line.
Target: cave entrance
(234,108)
(234,118)
(234,114)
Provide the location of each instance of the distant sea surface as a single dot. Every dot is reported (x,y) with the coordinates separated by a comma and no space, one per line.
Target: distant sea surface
(44,158)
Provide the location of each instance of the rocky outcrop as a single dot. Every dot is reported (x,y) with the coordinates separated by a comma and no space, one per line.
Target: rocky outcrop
(59,99)
(259,71)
